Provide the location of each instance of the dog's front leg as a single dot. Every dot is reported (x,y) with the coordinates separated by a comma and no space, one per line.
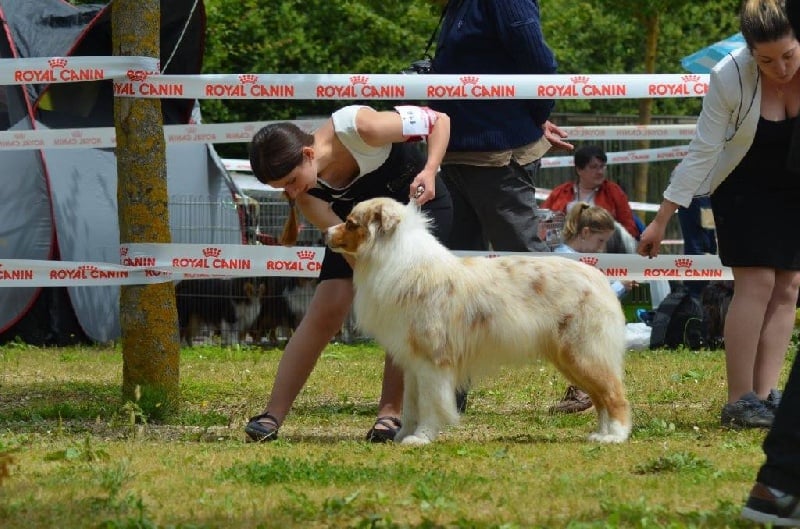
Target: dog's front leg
(436,401)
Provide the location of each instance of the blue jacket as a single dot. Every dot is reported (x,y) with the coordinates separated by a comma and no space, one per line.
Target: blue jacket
(493,37)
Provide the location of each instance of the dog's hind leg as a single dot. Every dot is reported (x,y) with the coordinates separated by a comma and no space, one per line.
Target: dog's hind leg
(613,410)
(592,373)
(436,403)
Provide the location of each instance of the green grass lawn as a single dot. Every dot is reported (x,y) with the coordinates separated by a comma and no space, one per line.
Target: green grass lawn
(72,454)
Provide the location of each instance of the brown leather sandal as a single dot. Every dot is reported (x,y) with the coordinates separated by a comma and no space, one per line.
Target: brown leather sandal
(262,428)
(391,425)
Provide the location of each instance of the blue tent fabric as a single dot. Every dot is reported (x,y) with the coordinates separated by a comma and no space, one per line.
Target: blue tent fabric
(703,60)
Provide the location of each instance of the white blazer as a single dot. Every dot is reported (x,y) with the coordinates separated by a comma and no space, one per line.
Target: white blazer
(725,128)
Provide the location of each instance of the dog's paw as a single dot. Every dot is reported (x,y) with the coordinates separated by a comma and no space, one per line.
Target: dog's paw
(415,440)
(402,433)
(607,438)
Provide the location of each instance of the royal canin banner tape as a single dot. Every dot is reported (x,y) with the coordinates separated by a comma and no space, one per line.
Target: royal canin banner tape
(158,263)
(47,70)
(410,87)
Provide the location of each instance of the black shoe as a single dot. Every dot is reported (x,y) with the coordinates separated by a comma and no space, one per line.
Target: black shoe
(771,506)
(773,400)
(391,425)
(747,412)
(262,428)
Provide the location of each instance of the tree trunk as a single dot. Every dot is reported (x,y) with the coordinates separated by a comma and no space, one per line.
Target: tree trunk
(646,105)
(148,317)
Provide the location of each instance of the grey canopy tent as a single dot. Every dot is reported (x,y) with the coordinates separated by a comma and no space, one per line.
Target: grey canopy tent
(61,204)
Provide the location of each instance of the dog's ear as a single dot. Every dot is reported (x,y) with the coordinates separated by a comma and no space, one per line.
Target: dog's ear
(386,217)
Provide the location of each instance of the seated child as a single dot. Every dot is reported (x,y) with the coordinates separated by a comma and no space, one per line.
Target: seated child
(586,229)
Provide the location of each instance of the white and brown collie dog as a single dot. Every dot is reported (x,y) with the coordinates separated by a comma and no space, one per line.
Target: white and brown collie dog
(447,320)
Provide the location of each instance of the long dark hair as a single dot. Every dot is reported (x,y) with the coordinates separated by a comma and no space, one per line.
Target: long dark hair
(277,149)
(274,151)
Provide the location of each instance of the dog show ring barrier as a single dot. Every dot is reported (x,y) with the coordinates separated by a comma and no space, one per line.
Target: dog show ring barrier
(154,263)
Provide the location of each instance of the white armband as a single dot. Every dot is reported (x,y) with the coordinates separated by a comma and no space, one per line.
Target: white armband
(417,121)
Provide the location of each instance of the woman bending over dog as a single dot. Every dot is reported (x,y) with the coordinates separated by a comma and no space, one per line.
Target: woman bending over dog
(739,155)
(359,153)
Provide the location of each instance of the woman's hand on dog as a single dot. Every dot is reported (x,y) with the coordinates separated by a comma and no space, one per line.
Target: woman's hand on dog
(426,182)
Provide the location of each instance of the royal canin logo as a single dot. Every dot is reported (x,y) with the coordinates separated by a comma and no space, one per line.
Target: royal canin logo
(690,85)
(581,86)
(57,71)
(589,260)
(359,87)
(683,268)
(305,262)
(83,272)
(212,260)
(471,87)
(248,87)
(57,62)
(123,251)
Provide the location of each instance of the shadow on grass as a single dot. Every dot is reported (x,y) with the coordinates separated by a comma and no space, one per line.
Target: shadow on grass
(60,401)
(37,406)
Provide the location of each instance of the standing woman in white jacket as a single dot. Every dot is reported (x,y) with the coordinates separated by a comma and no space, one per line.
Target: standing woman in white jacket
(739,156)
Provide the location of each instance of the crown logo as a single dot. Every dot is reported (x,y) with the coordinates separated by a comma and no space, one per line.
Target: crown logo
(191,130)
(305,255)
(579,79)
(492,255)
(123,251)
(136,75)
(57,62)
(19,135)
(212,252)
(248,78)
(589,260)
(76,134)
(683,262)
(469,79)
(88,267)
(249,128)
(359,79)
(691,78)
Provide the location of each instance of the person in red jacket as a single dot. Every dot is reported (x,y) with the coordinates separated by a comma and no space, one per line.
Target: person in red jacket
(590,185)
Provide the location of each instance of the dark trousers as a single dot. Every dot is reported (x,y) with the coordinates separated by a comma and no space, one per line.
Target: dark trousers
(782,444)
(697,240)
(494,207)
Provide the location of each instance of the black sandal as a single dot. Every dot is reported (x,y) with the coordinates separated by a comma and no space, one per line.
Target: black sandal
(391,425)
(259,432)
